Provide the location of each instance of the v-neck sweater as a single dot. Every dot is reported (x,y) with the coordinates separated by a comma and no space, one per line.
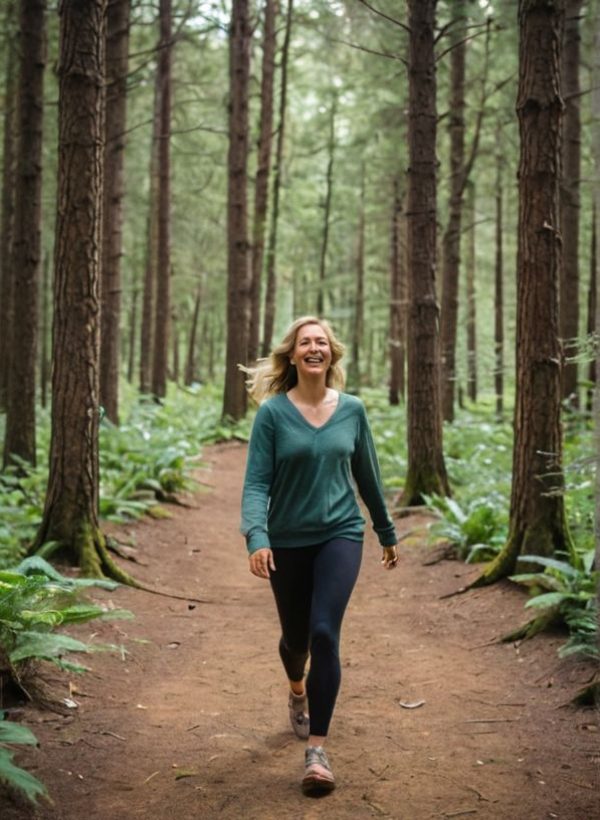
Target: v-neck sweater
(298,488)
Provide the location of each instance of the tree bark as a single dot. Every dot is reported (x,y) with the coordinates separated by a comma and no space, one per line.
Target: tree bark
(19,438)
(71,507)
(570,200)
(499,289)
(191,374)
(8,188)
(397,339)
(327,209)
(426,469)
(132,334)
(163,273)
(271,288)
(44,332)
(537,514)
(452,234)
(238,278)
(149,292)
(117,44)
(354,370)
(471,299)
(261,191)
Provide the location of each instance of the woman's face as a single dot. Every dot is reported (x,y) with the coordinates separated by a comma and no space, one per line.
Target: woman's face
(312,353)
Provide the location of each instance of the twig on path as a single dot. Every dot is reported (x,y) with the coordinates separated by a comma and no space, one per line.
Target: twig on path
(581,785)
(459,813)
(379,775)
(149,778)
(173,595)
(492,720)
(112,734)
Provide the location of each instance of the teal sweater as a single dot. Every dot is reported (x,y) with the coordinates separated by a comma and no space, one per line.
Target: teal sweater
(298,487)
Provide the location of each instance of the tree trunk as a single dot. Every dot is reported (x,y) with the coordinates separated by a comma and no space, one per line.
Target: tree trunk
(354,370)
(132,334)
(397,342)
(71,508)
(44,332)
(8,188)
(238,279)
(327,209)
(261,191)
(537,514)
(471,300)
(148,302)
(591,317)
(271,288)
(117,43)
(569,199)
(163,273)
(596,193)
(190,366)
(19,438)
(451,238)
(426,469)
(175,334)
(499,290)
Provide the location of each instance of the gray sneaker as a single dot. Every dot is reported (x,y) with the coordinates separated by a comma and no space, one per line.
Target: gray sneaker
(298,710)
(318,777)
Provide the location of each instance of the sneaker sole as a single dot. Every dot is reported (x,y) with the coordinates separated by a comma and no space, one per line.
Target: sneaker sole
(317,785)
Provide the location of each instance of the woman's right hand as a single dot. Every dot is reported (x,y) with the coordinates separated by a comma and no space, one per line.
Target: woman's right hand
(262,563)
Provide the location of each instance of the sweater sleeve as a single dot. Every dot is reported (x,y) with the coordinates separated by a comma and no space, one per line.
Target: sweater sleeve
(257,483)
(365,469)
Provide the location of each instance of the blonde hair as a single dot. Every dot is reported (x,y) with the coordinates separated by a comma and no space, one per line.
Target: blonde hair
(276,374)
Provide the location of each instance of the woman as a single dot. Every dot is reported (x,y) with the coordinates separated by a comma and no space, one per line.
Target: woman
(302,523)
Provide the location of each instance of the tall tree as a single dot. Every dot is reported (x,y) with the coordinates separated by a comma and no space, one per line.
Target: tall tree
(537,514)
(261,189)
(234,399)
(163,271)
(149,288)
(569,197)
(270,263)
(71,507)
(452,234)
(499,288)
(117,43)
(426,469)
(471,300)
(354,369)
(591,317)
(8,187)
(26,249)
(327,207)
(190,365)
(397,298)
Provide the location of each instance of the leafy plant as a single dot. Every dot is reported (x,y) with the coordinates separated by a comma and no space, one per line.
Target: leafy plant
(477,532)
(35,600)
(11,734)
(566,592)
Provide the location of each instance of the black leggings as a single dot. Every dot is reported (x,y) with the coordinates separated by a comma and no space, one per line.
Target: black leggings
(312,586)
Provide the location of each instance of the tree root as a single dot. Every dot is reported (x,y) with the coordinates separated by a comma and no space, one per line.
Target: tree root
(588,696)
(544,621)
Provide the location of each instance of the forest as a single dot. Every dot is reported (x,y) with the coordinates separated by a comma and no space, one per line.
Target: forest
(180,180)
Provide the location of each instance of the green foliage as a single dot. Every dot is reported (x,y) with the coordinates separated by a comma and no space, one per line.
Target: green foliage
(35,599)
(13,734)
(149,457)
(477,532)
(568,590)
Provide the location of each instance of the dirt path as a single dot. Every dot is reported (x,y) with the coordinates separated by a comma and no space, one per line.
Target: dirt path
(191,721)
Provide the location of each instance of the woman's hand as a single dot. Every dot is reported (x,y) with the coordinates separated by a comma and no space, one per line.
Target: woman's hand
(261,562)
(390,557)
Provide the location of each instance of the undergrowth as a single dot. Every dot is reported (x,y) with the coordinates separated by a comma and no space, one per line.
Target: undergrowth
(35,600)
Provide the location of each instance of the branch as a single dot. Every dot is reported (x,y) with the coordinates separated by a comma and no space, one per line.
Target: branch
(445,29)
(385,16)
(460,43)
(369,50)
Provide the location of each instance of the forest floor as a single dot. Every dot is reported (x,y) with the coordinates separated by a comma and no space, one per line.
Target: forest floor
(191,720)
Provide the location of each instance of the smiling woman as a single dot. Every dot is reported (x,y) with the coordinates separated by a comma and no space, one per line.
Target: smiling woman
(303,527)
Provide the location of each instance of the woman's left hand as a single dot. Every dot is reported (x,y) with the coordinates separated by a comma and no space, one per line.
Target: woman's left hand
(390,557)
